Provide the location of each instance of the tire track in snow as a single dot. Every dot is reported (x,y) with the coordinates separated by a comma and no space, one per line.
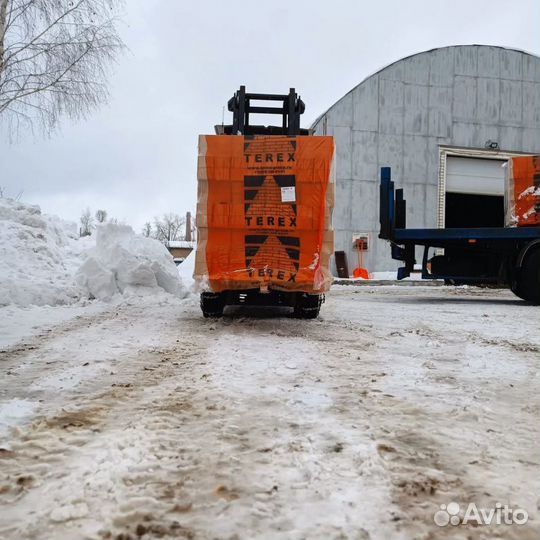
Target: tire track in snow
(39,341)
(234,441)
(67,451)
(303,468)
(439,402)
(274,428)
(93,455)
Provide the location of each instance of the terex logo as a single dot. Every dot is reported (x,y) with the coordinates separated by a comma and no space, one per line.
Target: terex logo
(277,157)
(263,202)
(272,256)
(282,152)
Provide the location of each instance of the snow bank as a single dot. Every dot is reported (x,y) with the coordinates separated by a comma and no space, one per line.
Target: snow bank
(186,269)
(39,255)
(123,262)
(44,262)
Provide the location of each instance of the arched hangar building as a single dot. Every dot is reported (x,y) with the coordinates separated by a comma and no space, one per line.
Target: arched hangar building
(445,121)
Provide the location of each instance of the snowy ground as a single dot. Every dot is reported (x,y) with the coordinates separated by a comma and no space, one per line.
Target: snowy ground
(141,419)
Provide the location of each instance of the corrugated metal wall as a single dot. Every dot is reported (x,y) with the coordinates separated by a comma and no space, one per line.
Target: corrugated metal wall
(460,96)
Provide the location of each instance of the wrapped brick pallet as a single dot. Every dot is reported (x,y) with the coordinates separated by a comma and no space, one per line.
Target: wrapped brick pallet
(264,213)
(522,196)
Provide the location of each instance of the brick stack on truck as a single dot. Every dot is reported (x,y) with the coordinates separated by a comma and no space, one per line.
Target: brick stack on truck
(264,210)
(505,256)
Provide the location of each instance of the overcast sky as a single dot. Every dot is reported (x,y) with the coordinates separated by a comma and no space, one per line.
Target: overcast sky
(136,157)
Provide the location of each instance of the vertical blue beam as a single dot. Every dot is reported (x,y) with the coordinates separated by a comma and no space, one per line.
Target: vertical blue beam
(386,208)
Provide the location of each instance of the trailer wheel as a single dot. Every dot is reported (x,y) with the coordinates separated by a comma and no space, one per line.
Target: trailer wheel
(212,304)
(308,305)
(526,283)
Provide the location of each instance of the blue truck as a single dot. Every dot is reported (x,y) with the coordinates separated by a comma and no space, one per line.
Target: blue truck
(503,256)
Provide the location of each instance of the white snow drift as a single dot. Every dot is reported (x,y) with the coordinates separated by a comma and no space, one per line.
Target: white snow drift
(39,255)
(185,271)
(124,262)
(44,262)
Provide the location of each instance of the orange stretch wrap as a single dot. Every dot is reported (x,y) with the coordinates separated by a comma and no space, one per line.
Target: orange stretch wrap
(523,192)
(264,213)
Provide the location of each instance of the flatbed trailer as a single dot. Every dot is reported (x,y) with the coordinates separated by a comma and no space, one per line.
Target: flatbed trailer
(505,256)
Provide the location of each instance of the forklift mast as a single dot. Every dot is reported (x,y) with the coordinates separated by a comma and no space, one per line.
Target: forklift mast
(290,109)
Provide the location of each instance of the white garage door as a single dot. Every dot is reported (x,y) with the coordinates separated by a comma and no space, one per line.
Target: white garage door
(475,175)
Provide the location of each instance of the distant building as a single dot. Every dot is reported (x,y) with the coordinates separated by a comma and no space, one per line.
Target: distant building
(180,249)
(445,121)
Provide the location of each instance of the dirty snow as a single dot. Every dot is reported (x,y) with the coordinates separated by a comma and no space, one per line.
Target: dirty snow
(14,412)
(146,420)
(17,323)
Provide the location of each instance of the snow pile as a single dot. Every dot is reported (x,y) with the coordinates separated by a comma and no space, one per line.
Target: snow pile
(44,262)
(186,269)
(123,262)
(39,255)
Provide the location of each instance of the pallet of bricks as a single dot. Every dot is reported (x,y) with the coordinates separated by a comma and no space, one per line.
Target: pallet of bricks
(264,213)
(522,195)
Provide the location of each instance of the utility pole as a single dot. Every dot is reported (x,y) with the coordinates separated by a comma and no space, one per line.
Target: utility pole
(188,226)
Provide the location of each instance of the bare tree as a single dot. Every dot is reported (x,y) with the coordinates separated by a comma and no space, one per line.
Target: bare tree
(87,223)
(3,194)
(190,228)
(101,216)
(54,59)
(147,229)
(168,228)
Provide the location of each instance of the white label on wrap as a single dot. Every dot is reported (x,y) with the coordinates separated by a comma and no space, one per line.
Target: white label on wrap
(288,194)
